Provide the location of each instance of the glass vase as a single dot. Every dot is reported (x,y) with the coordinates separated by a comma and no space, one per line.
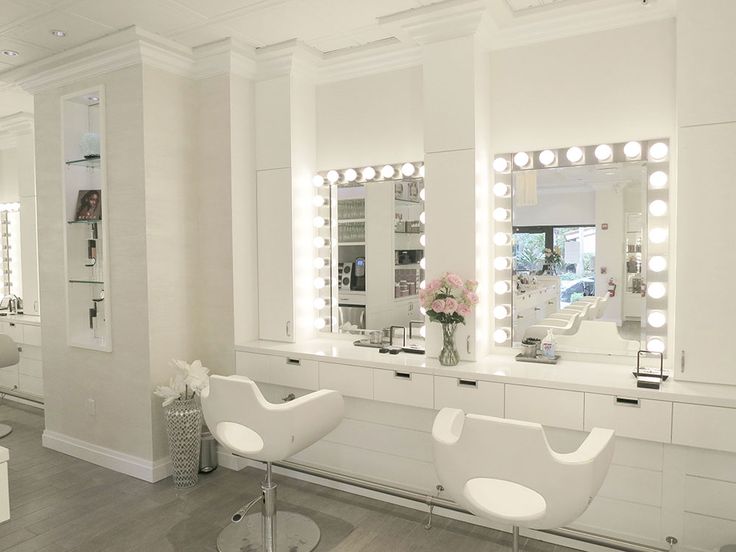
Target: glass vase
(184,428)
(449,355)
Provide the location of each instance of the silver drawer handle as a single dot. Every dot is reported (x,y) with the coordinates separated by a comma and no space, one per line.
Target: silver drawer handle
(467,383)
(402,375)
(627,401)
(293,361)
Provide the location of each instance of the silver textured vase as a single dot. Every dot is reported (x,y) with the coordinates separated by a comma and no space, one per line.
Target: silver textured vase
(184,427)
(449,355)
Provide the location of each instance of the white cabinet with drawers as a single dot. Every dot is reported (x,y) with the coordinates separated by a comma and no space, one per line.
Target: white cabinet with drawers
(403,387)
(549,407)
(27,375)
(278,370)
(472,396)
(629,416)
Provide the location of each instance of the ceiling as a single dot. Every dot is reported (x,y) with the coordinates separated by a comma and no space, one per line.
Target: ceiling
(590,177)
(521,5)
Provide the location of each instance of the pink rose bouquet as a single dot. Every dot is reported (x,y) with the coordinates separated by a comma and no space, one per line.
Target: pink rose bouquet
(449,299)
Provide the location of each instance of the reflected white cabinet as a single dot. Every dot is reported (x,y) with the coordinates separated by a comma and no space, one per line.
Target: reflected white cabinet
(27,375)
(275,258)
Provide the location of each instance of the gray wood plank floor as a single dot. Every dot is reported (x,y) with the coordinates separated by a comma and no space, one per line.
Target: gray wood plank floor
(61,503)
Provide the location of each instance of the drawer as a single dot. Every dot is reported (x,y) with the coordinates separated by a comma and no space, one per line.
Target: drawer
(402,387)
(351,381)
(32,335)
(472,396)
(30,351)
(31,384)
(294,372)
(15,331)
(709,427)
(629,417)
(552,407)
(252,365)
(30,367)
(9,377)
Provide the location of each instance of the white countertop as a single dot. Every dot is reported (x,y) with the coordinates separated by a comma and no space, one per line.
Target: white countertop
(575,375)
(28,319)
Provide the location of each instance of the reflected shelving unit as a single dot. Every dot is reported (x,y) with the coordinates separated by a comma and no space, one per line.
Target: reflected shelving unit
(85,211)
(408,230)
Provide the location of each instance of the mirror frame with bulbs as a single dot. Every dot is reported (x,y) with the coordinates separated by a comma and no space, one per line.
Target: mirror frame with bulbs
(656,154)
(325,225)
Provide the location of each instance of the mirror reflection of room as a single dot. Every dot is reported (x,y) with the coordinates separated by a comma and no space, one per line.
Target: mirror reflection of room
(380,253)
(577,249)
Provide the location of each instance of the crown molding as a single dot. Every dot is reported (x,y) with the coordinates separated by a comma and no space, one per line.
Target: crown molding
(225,56)
(291,57)
(382,56)
(439,21)
(13,126)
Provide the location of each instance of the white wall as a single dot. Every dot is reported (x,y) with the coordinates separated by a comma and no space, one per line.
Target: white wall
(558,209)
(610,86)
(9,175)
(609,248)
(370,120)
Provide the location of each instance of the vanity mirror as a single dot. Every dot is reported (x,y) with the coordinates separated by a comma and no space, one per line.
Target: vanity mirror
(581,238)
(369,248)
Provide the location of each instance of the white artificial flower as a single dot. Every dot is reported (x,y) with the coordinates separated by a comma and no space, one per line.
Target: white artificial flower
(167,393)
(188,378)
(197,378)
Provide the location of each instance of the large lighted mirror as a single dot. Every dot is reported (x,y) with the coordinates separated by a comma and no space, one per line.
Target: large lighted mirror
(583,233)
(370,250)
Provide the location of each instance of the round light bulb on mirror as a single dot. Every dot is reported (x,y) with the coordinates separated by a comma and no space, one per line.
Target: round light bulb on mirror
(332,176)
(423,330)
(423,194)
(423,311)
(350,175)
(604,152)
(388,171)
(547,157)
(319,241)
(501,335)
(319,283)
(658,180)
(318,222)
(658,208)
(658,235)
(502,287)
(655,345)
(574,154)
(500,164)
(423,240)
(423,284)
(656,290)
(500,214)
(368,173)
(632,150)
(501,311)
(318,201)
(319,303)
(423,263)
(421,171)
(657,319)
(408,169)
(502,263)
(319,323)
(501,189)
(319,262)
(657,263)
(521,159)
(318,181)
(658,151)
(423,218)
(501,238)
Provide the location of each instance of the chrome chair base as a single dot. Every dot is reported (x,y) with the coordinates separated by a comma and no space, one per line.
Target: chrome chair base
(5,429)
(296,533)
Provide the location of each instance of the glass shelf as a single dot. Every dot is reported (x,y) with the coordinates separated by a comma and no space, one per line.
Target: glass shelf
(346,243)
(413,202)
(83,221)
(94,282)
(91,162)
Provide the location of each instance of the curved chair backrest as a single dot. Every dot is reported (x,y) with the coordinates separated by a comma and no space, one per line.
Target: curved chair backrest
(469,446)
(598,336)
(241,419)
(9,355)
(582,306)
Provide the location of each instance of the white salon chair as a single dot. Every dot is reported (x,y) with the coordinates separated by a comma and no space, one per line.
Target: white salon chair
(504,470)
(242,420)
(9,356)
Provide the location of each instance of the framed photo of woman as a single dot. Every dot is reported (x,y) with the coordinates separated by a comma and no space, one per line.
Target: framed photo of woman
(89,205)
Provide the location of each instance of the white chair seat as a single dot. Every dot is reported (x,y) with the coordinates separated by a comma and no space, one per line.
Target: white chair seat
(239,439)
(504,500)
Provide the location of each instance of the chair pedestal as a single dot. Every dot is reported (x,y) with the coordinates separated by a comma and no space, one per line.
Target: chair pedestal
(515,537)
(257,532)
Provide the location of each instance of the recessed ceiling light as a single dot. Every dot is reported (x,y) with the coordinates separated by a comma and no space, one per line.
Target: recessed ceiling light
(10,53)
(58,33)
(92,98)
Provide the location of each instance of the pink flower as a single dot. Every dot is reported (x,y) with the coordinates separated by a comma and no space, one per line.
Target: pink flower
(450,305)
(454,279)
(472,285)
(438,305)
(472,297)
(434,285)
(422,295)
(463,310)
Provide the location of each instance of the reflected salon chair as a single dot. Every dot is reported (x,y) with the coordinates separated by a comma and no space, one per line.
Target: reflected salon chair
(505,471)
(9,356)
(243,421)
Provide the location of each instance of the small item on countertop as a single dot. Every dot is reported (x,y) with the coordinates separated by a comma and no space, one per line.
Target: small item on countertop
(549,345)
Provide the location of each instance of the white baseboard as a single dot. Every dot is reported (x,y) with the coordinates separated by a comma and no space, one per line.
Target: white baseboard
(108,458)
